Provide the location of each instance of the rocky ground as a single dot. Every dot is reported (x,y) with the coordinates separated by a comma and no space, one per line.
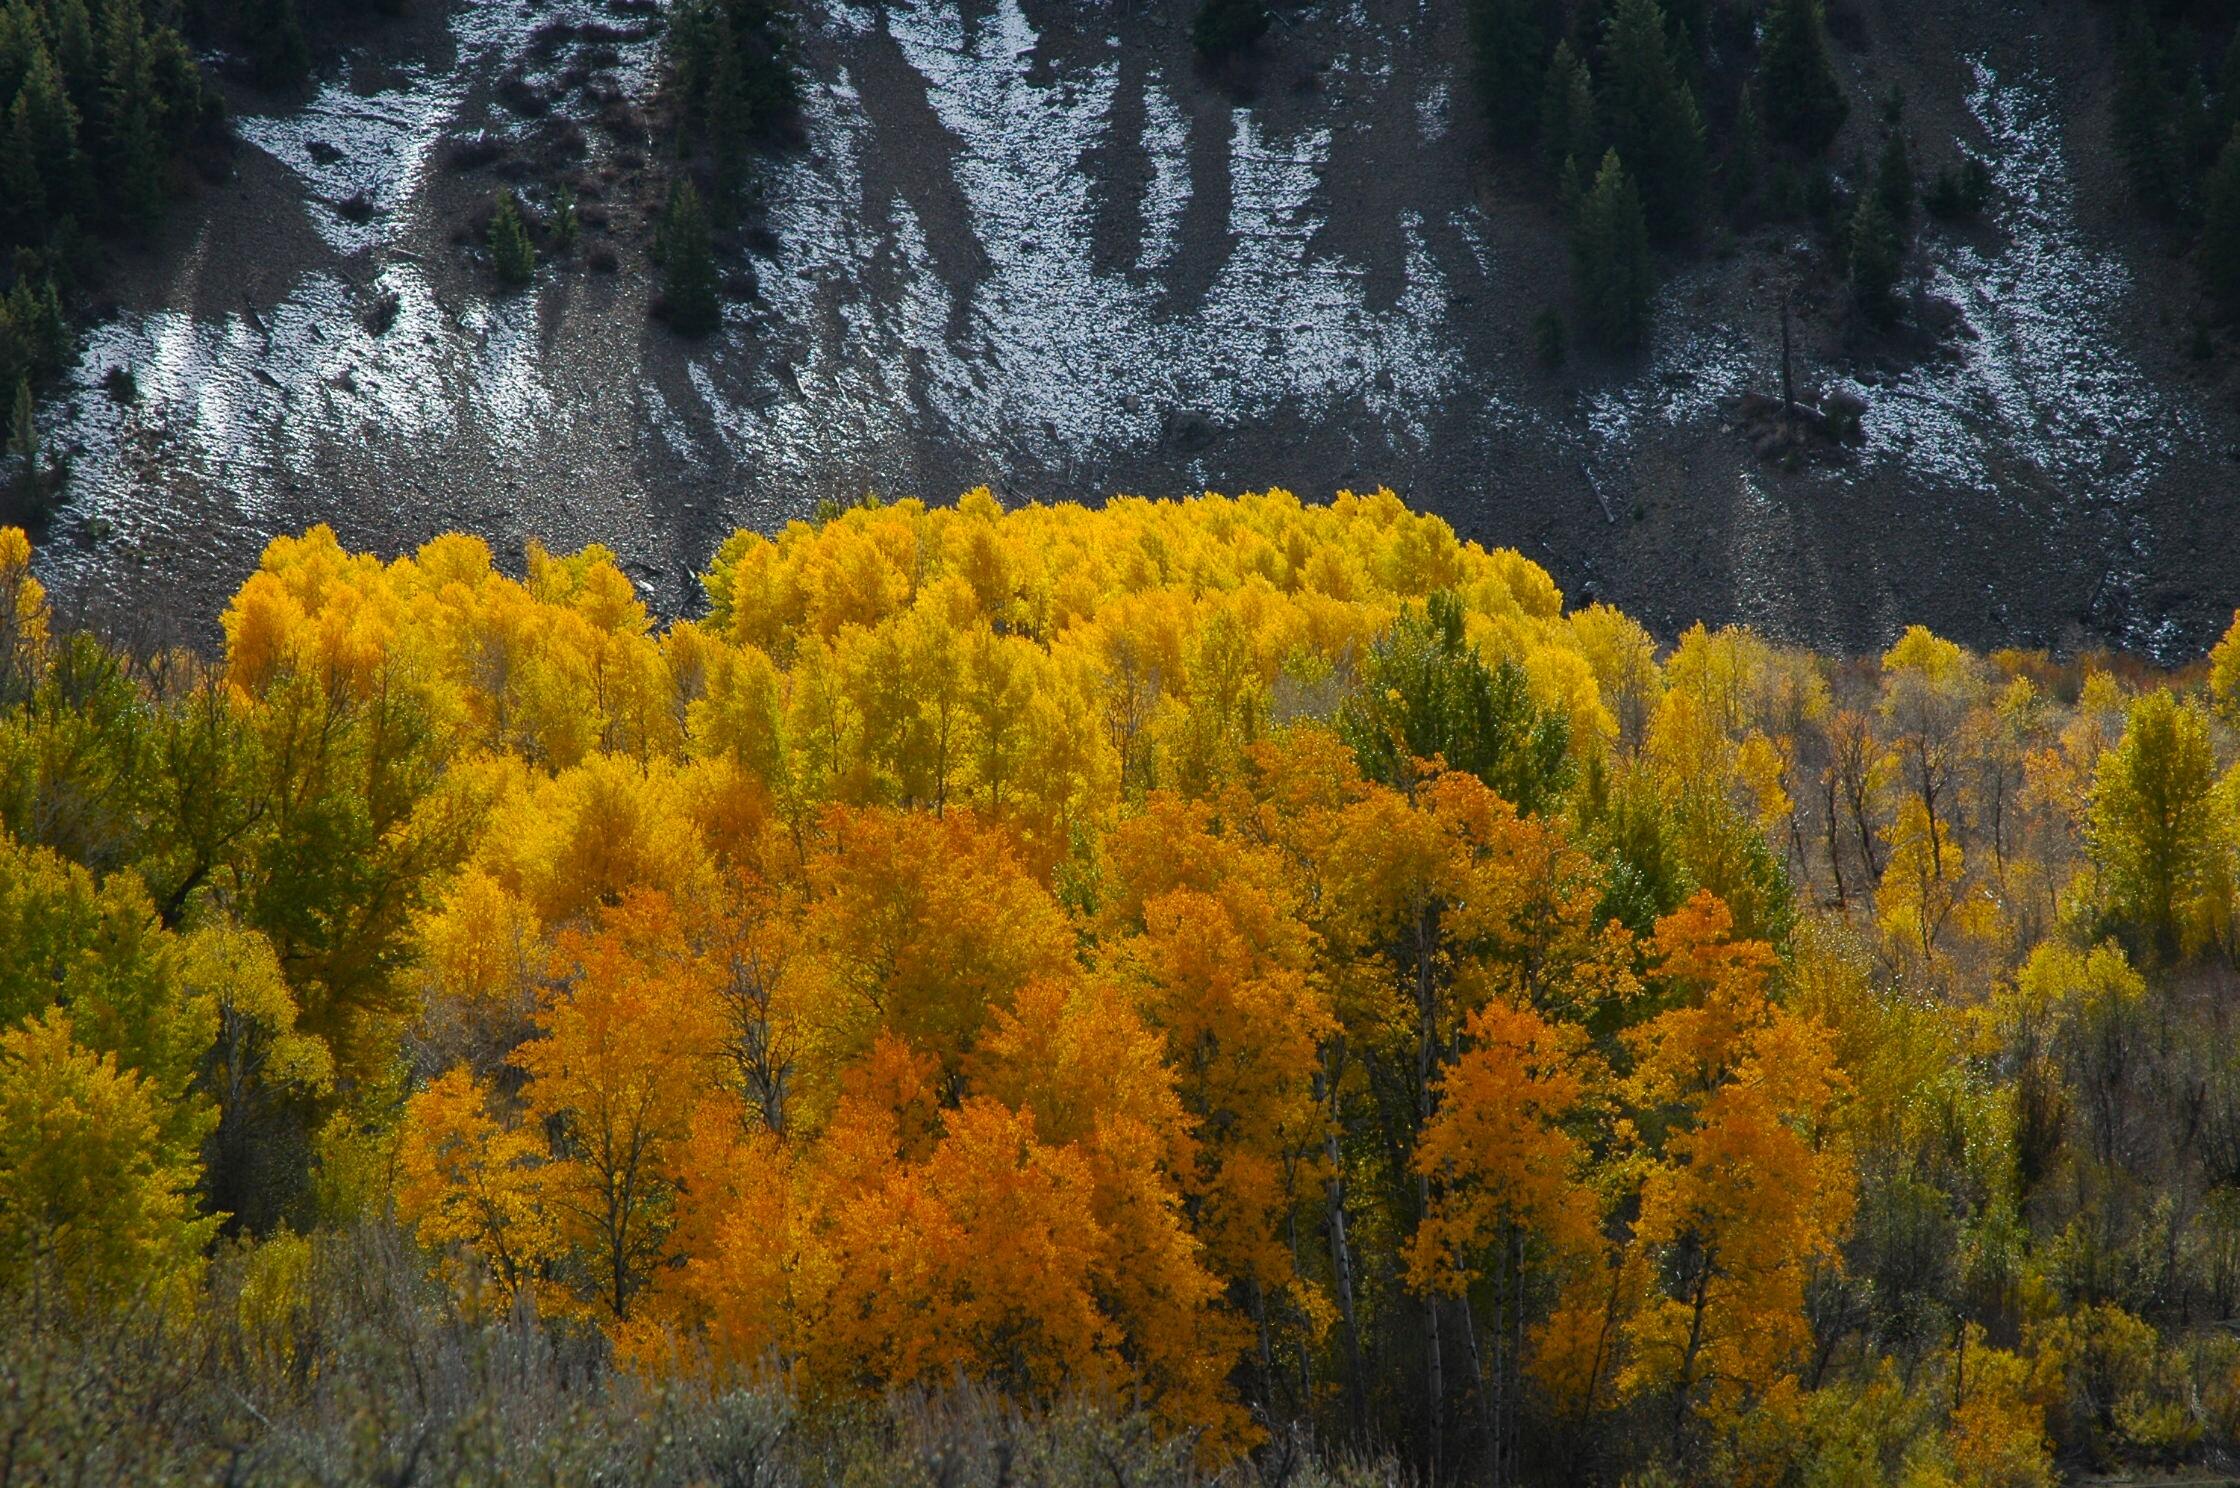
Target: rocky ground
(1032,244)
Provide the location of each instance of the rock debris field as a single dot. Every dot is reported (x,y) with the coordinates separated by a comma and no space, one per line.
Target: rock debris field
(1032,244)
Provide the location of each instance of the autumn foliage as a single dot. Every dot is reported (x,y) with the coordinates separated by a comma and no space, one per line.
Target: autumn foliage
(1264,965)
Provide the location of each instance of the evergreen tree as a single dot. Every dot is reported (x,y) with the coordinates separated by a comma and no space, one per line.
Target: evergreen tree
(1798,95)
(1569,130)
(1875,252)
(1893,179)
(1507,50)
(1426,692)
(1610,259)
(132,157)
(272,33)
(2145,117)
(1746,156)
(730,117)
(1223,27)
(23,445)
(2227,111)
(70,25)
(2220,229)
(567,226)
(512,255)
(1652,119)
(690,301)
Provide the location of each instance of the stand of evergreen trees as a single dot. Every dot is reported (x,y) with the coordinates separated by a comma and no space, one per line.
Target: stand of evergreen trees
(2176,120)
(1618,98)
(97,104)
(735,90)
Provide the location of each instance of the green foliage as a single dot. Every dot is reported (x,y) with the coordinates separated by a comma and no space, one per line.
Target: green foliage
(1652,120)
(1958,191)
(1570,135)
(1893,179)
(92,1202)
(513,257)
(1875,254)
(1508,51)
(2145,118)
(272,34)
(1549,342)
(1425,692)
(1797,92)
(2219,251)
(1222,28)
(690,300)
(732,64)
(1610,267)
(2152,825)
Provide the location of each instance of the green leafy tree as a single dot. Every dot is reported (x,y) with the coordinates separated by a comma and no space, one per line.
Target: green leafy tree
(91,1199)
(1425,692)
(689,294)
(1798,95)
(1610,265)
(1651,117)
(512,256)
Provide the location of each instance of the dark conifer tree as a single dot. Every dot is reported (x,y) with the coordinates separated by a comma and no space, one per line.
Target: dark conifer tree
(272,34)
(1508,54)
(690,300)
(1569,129)
(131,153)
(1223,28)
(1746,156)
(2219,252)
(513,257)
(23,448)
(1893,179)
(1876,254)
(1799,99)
(1651,119)
(1611,269)
(2145,117)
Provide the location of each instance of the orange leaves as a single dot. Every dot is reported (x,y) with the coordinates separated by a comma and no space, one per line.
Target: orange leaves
(468,1184)
(922,926)
(1498,1151)
(1743,1196)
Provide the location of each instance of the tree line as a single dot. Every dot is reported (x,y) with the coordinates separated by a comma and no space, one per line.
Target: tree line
(1269,970)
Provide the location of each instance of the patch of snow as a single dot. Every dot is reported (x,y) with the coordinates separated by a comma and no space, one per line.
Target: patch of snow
(2039,371)
(1166,139)
(1433,110)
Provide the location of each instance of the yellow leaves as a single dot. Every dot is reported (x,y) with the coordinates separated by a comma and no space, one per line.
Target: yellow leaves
(23,601)
(470,1187)
(1997,1435)
(92,1203)
(1744,1192)
(1498,1153)
(235,972)
(1924,654)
